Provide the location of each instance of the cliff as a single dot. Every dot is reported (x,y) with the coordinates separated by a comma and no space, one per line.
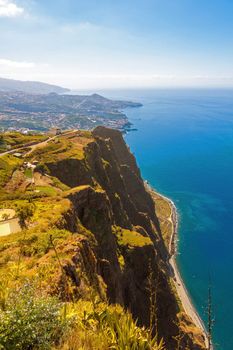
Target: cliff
(109,237)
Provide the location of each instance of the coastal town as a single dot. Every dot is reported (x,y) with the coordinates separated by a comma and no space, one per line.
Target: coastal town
(24,112)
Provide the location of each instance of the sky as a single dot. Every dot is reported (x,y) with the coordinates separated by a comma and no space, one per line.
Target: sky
(83,44)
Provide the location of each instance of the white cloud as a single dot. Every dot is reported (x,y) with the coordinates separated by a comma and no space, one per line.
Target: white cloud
(16,64)
(10,9)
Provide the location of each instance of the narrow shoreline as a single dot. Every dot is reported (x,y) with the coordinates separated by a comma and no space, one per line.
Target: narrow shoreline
(182,292)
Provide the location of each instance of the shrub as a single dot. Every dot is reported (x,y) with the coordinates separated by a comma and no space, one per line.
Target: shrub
(42,168)
(30,321)
(25,212)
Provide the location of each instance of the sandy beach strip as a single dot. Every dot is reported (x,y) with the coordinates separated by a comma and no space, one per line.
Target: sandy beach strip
(182,292)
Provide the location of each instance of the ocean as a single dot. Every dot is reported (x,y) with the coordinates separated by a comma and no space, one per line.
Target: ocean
(184,148)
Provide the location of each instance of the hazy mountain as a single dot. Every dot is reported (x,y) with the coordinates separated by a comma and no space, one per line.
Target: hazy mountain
(33,87)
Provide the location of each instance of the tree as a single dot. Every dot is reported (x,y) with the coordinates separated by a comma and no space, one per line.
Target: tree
(25,212)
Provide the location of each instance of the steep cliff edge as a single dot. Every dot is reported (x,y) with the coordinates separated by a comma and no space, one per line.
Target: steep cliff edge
(114,242)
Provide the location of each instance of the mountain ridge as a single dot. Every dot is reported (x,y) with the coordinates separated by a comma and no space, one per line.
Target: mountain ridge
(30,86)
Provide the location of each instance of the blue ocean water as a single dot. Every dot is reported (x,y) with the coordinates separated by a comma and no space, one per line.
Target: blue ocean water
(184,147)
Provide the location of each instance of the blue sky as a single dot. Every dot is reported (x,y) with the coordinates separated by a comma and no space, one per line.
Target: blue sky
(118,43)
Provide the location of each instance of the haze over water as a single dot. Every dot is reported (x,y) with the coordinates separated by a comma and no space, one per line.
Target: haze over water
(184,147)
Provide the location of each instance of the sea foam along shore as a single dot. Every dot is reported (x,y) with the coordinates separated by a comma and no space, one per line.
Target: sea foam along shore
(182,292)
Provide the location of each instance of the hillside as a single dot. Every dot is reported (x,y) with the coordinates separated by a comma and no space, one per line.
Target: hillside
(34,87)
(95,239)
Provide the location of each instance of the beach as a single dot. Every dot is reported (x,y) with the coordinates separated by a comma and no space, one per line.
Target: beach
(182,292)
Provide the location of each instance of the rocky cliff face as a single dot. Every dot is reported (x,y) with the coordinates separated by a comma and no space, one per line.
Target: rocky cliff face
(123,248)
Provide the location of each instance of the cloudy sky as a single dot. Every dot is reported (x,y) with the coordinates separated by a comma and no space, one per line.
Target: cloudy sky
(118,43)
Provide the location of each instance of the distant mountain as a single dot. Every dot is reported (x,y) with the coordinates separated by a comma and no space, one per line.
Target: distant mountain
(32,87)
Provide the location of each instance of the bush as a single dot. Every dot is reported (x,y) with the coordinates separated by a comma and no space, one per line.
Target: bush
(42,168)
(29,321)
(25,212)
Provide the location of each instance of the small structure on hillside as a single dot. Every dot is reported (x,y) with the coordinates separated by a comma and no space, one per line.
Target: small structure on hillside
(18,155)
(30,165)
(55,131)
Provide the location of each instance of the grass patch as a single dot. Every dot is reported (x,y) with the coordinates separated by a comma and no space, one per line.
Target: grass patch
(28,173)
(57,150)
(46,190)
(49,212)
(16,139)
(131,239)
(57,183)
(76,189)
(39,244)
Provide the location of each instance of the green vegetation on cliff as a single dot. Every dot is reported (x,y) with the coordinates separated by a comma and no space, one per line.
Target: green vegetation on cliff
(130,239)
(91,252)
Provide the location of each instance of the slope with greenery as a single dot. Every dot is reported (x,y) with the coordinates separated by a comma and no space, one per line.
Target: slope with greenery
(89,269)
